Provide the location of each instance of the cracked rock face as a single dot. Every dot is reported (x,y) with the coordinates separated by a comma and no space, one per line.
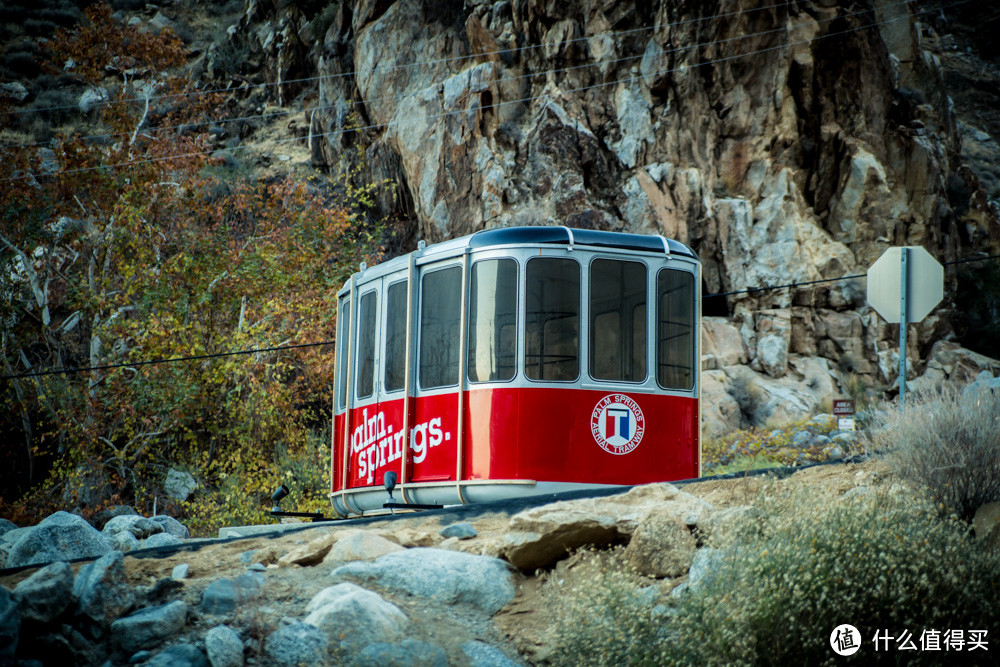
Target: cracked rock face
(783,144)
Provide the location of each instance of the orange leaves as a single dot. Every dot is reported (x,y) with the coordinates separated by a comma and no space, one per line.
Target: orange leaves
(104,44)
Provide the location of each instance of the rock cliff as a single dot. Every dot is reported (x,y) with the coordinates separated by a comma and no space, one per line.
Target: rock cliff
(786,142)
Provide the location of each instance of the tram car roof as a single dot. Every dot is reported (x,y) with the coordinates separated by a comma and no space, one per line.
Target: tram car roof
(535,235)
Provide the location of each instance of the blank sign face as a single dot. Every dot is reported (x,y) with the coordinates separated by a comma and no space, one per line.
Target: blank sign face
(925,284)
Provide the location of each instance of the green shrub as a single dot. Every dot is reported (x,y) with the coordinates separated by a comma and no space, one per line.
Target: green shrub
(606,620)
(778,590)
(871,561)
(948,445)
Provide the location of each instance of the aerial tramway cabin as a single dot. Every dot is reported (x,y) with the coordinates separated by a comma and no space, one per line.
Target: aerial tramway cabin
(515,362)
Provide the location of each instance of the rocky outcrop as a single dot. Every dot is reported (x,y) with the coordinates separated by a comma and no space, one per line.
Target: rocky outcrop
(787,143)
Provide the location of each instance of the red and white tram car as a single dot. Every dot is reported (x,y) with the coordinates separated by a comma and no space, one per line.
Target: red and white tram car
(514,362)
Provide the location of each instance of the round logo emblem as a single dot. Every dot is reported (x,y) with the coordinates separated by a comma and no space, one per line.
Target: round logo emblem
(617,424)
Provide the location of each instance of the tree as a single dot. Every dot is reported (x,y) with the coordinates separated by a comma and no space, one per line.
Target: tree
(131,244)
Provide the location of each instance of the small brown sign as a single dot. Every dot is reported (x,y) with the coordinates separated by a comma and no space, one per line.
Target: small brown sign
(843,407)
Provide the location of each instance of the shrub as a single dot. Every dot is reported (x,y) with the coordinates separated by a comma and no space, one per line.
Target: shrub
(948,445)
(781,587)
(870,561)
(608,620)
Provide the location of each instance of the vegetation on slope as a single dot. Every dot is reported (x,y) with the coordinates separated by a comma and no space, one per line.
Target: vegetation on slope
(114,251)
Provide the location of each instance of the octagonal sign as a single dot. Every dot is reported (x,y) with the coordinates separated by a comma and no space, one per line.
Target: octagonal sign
(924,285)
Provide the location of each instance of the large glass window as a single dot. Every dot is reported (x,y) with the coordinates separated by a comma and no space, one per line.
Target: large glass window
(675,323)
(367,337)
(343,340)
(552,319)
(618,320)
(395,337)
(493,320)
(440,316)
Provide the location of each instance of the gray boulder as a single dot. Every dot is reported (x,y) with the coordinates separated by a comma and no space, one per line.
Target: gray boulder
(10,625)
(125,541)
(355,617)
(438,574)
(149,627)
(172,526)
(101,590)
(462,530)
(223,596)
(179,485)
(178,655)
(297,644)
(46,594)
(481,654)
(144,528)
(120,524)
(161,540)
(224,647)
(100,519)
(6,526)
(60,536)
(407,653)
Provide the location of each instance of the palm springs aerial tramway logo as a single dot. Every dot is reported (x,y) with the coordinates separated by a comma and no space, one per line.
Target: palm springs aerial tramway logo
(617,424)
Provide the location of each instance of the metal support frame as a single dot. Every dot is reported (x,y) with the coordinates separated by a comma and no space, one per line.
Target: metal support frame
(904,285)
(407,375)
(463,334)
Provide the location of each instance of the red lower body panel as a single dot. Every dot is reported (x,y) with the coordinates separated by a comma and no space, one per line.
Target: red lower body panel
(543,434)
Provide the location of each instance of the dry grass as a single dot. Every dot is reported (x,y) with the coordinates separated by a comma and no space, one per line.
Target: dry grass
(948,445)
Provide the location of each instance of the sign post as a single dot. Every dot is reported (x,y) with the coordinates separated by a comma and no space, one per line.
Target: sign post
(904,285)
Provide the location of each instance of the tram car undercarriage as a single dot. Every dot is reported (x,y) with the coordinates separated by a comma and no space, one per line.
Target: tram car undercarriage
(514,362)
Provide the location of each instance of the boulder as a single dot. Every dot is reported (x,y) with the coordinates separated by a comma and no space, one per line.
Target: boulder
(224,647)
(481,654)
(180,571)
(172,526)
(662,546)
(360,545)
(355,617)
(149,627)
(10,625)
(161,540)
(46,594)
(223,596)
(125,541)
(101,518)
(444,576)
(101,590)
(6,526)
(541,536)
(311,553)
(59,537)
(121,523)
(462,530)
(297,644)
(407,653)
(179,485)
(178,655)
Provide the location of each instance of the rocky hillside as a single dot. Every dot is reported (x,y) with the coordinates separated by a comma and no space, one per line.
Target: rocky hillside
(785,143)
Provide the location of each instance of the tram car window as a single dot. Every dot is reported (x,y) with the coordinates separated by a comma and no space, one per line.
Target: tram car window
(440,317)
(493,321)
(552,317)
(617,320)
(675,328)
(395,336)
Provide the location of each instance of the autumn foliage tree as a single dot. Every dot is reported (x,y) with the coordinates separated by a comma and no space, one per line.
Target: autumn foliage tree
(126,243)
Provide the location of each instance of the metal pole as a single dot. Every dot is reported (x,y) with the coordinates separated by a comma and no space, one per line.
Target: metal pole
(904,285)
